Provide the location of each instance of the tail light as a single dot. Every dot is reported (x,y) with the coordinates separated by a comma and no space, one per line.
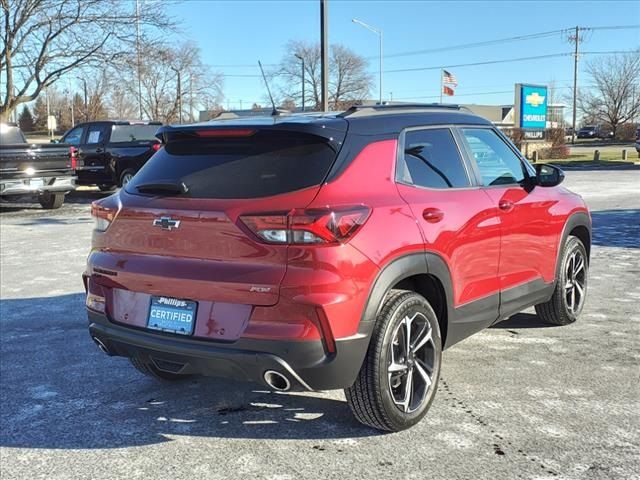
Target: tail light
(156,146)
(314,226)
(102,217)
(96,299)
(73,156)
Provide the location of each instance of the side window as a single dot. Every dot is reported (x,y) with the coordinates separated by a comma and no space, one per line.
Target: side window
(74,136)
(431,159)
(95,134)
(497,163)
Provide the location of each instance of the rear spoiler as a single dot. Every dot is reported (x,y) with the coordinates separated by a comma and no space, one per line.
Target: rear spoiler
(331,129)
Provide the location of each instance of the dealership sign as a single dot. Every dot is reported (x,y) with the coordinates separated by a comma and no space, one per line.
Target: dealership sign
(531,107)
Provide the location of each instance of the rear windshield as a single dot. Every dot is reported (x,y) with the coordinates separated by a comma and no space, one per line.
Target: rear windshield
(264,164)
(133,133)
(11,135)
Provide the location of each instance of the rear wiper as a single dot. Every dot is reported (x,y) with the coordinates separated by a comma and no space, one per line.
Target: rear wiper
(163,187)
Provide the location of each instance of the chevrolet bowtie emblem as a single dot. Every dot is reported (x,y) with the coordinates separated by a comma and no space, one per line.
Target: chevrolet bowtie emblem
(534,99)
(166,223)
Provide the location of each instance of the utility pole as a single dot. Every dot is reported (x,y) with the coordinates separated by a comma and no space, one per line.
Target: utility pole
(576,39)
(301,58)
(324,55)
(138,57)
(73,121)
(190,98)
(179,90)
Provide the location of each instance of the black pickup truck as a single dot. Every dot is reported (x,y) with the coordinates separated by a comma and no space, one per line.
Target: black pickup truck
(109,153)
(42,170)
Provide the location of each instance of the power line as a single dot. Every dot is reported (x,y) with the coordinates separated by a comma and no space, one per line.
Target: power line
(517,38)
(508,60)
(477,44)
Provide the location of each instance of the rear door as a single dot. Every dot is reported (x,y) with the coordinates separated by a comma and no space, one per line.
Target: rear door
(92,154)
(458,221)
(529,228)
(194,244)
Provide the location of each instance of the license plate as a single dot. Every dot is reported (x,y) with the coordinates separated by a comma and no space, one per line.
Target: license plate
(172,315)
(36,183)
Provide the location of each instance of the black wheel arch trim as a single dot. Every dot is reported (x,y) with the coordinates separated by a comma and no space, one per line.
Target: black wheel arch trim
(576,219)
(392,273)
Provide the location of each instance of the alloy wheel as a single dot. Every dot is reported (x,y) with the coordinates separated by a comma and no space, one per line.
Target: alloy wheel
(126,178)
(412,362)
(575,282)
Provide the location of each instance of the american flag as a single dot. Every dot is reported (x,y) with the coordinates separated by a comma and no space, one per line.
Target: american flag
(448,77)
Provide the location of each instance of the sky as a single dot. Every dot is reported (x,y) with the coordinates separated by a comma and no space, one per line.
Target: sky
(234,35)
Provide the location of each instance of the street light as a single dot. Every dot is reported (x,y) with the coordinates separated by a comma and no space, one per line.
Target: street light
(378,32)
(301,58)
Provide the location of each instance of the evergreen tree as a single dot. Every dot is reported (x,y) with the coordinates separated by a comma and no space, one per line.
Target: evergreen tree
(40,113)
(25,120)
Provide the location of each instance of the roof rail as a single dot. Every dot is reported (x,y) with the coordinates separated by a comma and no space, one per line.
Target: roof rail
(385,107)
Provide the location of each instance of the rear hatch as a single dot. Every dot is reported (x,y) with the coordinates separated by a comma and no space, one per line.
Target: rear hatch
(179,229)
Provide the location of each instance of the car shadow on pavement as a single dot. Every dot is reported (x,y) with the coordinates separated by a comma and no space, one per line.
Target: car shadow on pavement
(616,228)
(522,320)
(27,203)
(59,391)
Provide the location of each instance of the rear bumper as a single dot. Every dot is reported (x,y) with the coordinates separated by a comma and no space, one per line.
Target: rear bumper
(96,175)
(304,363)
(27,186)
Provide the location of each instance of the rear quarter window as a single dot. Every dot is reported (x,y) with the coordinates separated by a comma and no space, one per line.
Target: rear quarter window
(133,133)
(264,164)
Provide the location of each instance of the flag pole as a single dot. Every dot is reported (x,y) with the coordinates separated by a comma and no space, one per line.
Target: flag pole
(441,83)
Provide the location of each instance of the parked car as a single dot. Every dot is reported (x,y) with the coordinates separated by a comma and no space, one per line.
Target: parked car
(595,131)
(43,171)
(332,251)
(110,153)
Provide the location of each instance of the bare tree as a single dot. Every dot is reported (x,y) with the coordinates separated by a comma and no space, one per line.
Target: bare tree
(44,39)
(349,80)
(121,104)
(615,96)
(159,73)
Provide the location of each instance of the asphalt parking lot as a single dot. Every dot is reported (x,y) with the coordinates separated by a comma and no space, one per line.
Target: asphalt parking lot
(519,400)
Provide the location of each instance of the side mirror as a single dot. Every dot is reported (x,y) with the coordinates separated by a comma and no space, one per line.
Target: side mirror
(548,175)
(54,140)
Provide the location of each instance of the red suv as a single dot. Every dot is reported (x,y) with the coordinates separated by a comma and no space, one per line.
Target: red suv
(331,251)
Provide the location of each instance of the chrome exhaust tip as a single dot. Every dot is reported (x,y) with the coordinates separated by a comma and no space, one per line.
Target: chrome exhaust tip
(101,345)
(277,381)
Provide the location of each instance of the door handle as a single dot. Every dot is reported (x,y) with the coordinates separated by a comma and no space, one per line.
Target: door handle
(432,215)
(99,150)
(505,205)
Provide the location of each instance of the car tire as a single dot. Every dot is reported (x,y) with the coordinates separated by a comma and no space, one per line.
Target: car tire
(379,398)
(51,201)
(568,298)
(106,188)
(151,370)
(126,176)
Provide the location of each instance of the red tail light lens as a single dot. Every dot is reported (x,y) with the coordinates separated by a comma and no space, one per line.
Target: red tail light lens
(73,156)
(318,226)
(156,146)
(102,217)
